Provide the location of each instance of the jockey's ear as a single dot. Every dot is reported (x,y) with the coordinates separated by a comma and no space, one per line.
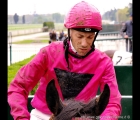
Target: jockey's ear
(102,100)
(52,98)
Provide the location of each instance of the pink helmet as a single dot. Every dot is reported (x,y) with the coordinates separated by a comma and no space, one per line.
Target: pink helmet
(83,15)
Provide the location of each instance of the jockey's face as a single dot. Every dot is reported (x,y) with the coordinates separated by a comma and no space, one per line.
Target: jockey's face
(82,41)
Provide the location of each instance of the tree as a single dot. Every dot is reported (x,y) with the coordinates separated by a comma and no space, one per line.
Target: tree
(122,14)
(16,18)
(23,19)
(130,9)
(56,17)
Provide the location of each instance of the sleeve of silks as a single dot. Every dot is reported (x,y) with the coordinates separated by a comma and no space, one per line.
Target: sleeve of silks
(24,81)
(113,109)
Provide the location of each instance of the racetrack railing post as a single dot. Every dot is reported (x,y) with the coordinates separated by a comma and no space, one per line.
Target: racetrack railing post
(10,46)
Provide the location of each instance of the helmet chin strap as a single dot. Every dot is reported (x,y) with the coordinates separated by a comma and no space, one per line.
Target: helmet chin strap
(93,46)
(66,47)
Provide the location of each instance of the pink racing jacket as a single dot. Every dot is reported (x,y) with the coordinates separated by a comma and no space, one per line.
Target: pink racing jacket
(84,78)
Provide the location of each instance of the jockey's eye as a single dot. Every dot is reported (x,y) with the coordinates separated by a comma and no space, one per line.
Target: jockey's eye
(79,36)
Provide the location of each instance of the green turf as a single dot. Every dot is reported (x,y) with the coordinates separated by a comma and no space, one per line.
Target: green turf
(31,41)
(13,69)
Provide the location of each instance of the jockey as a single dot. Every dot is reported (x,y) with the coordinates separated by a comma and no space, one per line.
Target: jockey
(77,67)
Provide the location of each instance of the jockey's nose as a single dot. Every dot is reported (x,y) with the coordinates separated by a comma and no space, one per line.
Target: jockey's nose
(84,42)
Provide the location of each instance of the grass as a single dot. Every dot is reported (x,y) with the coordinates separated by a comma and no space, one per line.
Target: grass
(59,26)
(31,41)
(13,69)
(23,26)
(12,27)
(46,36)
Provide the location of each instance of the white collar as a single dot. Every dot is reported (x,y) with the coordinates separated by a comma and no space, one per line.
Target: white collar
(73,49)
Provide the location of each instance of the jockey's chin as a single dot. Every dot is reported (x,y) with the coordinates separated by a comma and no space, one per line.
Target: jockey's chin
(82,51)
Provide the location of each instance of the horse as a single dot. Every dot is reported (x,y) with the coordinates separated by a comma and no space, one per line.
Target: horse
(73,109)
(119,57)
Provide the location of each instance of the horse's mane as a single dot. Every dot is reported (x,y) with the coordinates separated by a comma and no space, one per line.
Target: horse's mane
(71,108)
(74,107)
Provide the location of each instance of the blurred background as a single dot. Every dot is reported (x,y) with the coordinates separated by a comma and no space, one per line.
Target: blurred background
(38,11)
